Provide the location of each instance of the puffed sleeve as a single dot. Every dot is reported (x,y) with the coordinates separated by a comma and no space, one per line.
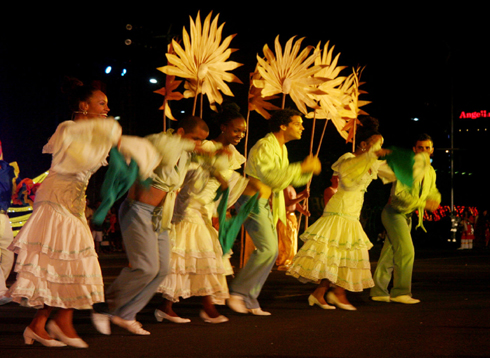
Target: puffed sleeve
(142,152)
(82,145)
(170,146)
(351,168)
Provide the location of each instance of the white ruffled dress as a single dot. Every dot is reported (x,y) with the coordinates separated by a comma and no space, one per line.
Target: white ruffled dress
(336,246)
(198,267)
(57,264)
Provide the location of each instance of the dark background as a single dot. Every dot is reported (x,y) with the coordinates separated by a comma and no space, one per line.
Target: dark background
(424,62)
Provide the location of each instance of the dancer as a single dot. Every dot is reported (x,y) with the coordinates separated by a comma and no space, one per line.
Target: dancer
(270,173)
(57,264)
(335,252)
(144,218)
(6,234)
(397,256)
(197,263)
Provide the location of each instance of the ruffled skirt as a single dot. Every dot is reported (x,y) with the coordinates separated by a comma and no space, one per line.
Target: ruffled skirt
(56,264)
(198,267)
(336,248)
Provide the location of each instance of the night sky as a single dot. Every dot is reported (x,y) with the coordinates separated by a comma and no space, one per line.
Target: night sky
(420,62)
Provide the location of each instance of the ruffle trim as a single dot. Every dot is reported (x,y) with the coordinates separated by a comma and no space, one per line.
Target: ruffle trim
(354,280)
(191,241)
(31,291)
(338,231)
(41,266)
(188,285)
(180,266)
(350,269)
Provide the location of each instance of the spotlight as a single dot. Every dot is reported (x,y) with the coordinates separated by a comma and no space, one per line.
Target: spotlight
(108,69)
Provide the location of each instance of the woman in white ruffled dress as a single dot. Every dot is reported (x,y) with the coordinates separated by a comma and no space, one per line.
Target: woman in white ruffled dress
(57,266)
(335,250)
(198,267)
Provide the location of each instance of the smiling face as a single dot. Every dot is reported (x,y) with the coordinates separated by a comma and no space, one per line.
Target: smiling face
(234,131)
(95,106)
(294,129)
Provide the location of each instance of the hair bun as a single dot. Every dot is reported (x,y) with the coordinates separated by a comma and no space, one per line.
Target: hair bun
(368,123)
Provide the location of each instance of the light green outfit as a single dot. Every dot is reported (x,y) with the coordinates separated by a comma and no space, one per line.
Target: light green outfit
(397,256)
(268,162)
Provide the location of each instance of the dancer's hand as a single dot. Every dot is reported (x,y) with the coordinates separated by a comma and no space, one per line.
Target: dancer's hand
(382,152)
(431,205)
(222,181)
(311,164)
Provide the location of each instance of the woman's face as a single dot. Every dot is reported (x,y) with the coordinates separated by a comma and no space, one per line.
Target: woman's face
(234,131)
(96,105)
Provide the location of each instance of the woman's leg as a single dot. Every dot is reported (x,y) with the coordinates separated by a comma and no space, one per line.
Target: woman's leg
(321,291)
(209,308)
(38,324)
(167,308)
(64,320)
(339,292)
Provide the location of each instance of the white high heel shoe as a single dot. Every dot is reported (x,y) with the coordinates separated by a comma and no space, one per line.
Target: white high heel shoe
(56,332)
(30,337)
(220,319)
(333,300)
(160,316)
(312,300)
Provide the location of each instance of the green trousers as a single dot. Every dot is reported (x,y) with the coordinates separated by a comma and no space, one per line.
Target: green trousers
(397,256)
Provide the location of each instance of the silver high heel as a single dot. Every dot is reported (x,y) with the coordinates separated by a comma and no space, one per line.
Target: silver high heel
(56,332)
(160,316)
(312,300)
(30,337)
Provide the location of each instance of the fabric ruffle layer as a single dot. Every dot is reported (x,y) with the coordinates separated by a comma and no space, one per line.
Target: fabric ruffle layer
(335,249)
(31,291)
(189,285)
(82,271)
(354,280)
(56,264)
(338,231)
(197,264)
(349,269)
(59,236)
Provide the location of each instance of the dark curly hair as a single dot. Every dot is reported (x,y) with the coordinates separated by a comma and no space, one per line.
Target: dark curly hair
(76,91)
(226,113)
(282,117)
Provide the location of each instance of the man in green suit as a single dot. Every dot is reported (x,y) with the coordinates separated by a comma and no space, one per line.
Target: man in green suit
(397,256)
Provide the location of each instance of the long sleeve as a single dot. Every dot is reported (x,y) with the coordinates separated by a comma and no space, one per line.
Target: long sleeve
(406,200)
(170,146)
(142,152)
(82,145)
(268,162)
(351,168)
